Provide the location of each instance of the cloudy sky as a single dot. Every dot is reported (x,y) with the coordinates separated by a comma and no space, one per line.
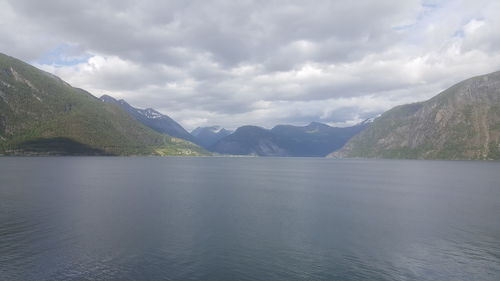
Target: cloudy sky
(257,62)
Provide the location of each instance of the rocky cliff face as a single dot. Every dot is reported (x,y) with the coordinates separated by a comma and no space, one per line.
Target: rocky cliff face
(463,122)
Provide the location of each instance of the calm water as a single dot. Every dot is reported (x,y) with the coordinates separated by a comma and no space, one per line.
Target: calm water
(99,218)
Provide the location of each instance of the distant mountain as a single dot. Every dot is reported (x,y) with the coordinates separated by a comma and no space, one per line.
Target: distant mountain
(40,114)
(463,122)
(313,140)
(250,140)
(152,119)
(208,136)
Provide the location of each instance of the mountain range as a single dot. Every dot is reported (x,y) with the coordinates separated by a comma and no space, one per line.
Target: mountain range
(313,140)
(41,114)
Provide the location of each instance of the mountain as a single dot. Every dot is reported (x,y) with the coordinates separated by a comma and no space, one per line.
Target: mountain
(313,140)
(41,114)
(462,122)
(207,136)
(152,119)
(250,140)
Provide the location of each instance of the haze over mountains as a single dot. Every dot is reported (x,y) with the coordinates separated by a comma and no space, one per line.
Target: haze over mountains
(41,114)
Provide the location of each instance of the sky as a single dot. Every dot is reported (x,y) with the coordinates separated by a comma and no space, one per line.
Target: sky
(249,62)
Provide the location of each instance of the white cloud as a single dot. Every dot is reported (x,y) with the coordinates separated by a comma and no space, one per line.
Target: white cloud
(258,62)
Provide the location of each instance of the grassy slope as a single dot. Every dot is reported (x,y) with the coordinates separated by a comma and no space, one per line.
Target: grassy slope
(36,106)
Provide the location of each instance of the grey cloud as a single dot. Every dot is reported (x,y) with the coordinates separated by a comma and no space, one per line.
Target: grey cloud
(233,32)
(255,61)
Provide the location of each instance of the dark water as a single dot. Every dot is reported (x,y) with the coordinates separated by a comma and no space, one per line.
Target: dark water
(248,219)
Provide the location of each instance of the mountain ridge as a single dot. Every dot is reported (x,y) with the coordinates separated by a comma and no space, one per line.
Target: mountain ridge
(153,119)
(461,122)
(313,140)
(40,114)
(208,136)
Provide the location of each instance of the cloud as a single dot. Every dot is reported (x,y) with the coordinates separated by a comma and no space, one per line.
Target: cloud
(257,62)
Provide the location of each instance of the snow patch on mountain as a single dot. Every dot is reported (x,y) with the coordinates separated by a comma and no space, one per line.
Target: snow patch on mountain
(151,113)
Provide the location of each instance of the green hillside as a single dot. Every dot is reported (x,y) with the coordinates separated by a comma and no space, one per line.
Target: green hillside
(41,114)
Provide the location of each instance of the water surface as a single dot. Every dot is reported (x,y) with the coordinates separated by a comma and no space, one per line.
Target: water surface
(113,218)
